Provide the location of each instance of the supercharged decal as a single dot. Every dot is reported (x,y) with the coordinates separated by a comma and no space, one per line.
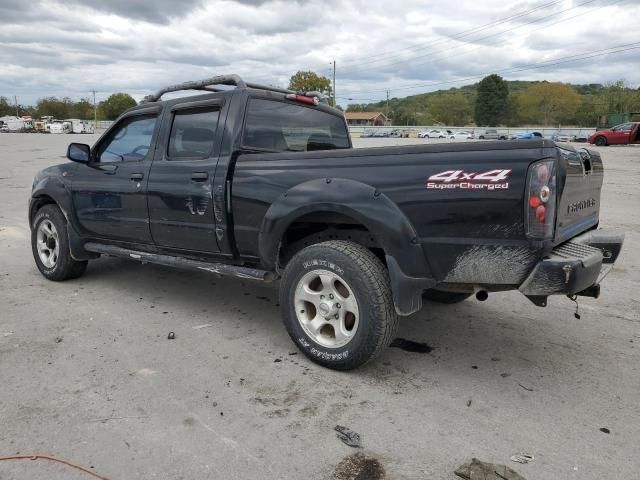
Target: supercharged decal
(461,180)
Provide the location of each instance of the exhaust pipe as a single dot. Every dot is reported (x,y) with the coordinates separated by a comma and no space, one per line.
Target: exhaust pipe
(482,295)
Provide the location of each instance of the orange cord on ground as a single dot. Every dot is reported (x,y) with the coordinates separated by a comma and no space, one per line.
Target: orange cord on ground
(53,459)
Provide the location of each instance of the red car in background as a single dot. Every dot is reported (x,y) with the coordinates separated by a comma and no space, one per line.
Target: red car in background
(623,134)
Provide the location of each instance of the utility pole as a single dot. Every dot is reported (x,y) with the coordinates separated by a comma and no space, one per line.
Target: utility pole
(95,110)
(387,114)
(335,100)
(15,99)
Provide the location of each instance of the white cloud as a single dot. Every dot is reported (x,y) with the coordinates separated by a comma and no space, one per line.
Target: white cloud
(50,47)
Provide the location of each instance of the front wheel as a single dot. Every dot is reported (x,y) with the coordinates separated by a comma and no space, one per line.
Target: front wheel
(601,141)
(336,304)
(50,245)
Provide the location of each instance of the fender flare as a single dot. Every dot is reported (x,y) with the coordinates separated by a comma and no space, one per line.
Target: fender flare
(408,268)
(55,189)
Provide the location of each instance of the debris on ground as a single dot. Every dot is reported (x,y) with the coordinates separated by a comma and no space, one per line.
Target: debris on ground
(605,430)
(58,339)
(277,360)
(522,458)
(526,388)
(205,325)
(171,336)
(348,436)
(469,402)
(359,466)
(55,459)
(479,470)
(410,345)
(7,334)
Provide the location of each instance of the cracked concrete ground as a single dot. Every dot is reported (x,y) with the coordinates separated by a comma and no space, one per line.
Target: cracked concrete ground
(87,372)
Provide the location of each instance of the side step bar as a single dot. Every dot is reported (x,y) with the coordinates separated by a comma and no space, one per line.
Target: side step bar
(171,261)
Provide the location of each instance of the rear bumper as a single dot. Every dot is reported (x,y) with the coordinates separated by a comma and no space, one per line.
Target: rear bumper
(574,266)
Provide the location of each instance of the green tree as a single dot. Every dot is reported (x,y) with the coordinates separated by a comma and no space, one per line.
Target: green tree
(548,103)
(82,109)
(450,108)
(117,103)
(492,101)
(620,98)
(53,106)
(6,108)
(308,81)
(357,107)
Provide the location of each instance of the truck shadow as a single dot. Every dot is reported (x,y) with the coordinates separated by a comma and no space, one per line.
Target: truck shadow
(505,339)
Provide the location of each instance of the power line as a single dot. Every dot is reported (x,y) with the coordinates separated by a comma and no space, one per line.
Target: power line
(448,50)
(458,35)
(548,63)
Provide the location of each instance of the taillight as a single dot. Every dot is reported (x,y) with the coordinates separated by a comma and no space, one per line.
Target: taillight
(302,98)
(540,209)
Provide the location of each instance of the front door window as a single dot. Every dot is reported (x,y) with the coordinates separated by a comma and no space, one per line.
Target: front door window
(130,142)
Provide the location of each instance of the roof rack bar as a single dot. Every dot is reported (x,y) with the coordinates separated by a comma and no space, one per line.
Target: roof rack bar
(267,87)
(198,85)
(233,79)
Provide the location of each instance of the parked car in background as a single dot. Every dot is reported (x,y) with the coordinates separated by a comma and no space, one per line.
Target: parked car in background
(581,138)
(492,134)
(367,133)
(624,134)
(434,133)
(526,136)
(464,135)
(399,133)
(562,137)
(381,133)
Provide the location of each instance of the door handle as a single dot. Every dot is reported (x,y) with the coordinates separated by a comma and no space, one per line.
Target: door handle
(199,176)
(137,176)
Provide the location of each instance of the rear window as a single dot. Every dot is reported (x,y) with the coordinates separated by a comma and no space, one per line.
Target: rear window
(283,127)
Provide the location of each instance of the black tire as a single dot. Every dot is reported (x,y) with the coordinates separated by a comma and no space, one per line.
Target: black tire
(481,137)
(445,297)
(367,278)
(601,141)
(65,267)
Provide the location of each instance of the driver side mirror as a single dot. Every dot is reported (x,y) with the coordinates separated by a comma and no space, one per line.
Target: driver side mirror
(79,152)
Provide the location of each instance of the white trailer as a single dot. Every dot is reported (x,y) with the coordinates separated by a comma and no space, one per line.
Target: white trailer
(60,127)
(16,124)
(80,126)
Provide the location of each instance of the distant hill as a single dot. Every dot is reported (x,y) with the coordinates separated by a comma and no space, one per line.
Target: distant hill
(426,108)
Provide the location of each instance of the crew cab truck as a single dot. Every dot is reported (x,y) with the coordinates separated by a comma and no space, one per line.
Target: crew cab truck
(623,134)
(263,183)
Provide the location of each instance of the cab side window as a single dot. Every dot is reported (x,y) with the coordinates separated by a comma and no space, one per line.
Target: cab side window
(193,133)
(130,142)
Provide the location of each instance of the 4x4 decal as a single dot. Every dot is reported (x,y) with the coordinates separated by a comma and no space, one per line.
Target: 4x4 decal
(459,179)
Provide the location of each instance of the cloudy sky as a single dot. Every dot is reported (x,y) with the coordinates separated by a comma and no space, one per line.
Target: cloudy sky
(407,46)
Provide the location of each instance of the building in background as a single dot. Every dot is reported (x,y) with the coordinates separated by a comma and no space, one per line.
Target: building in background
(367,119)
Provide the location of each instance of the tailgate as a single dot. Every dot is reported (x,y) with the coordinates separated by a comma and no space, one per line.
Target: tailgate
(579,200)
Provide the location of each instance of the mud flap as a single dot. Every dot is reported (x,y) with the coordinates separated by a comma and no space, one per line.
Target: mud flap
(407,291)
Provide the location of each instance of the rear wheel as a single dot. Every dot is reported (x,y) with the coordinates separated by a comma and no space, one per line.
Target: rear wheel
(445,297)
(336,304)
(50,245)
(601,141)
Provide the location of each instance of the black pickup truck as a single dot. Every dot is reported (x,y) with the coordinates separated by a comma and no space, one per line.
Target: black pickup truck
(263,183)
